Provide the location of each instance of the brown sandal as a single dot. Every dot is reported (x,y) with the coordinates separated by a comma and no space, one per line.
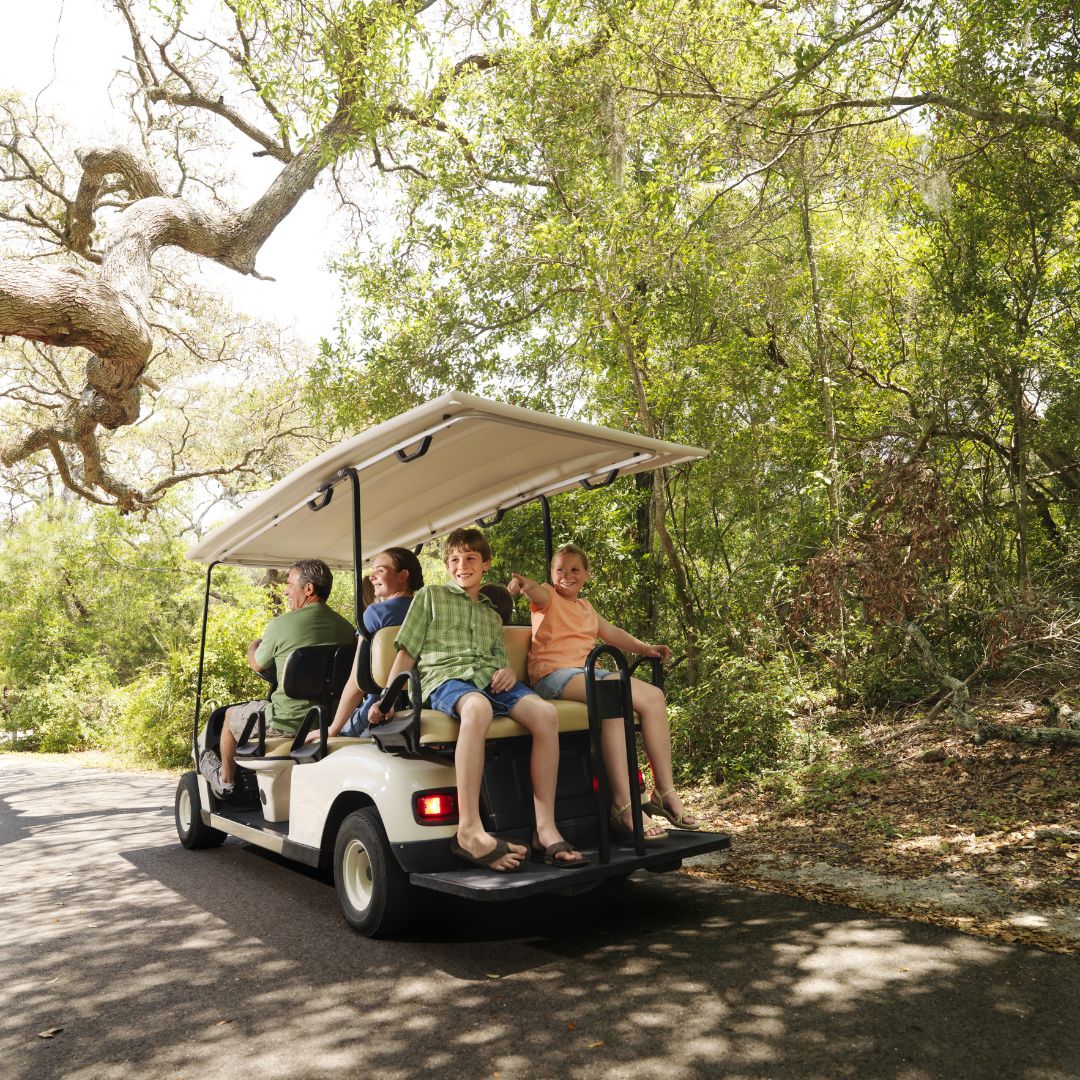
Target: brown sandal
(548,854)
(655,805)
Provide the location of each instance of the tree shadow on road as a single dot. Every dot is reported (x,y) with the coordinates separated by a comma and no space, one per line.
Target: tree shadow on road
(158,961)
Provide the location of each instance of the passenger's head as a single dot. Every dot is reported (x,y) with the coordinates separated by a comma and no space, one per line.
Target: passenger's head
(468,557)
(468,540)
(310,581)
(367,591)
(569,570)
(395,572)
(501,601)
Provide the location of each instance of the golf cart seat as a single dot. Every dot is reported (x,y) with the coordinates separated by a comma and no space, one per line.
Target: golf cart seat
(316,673)
(438,729)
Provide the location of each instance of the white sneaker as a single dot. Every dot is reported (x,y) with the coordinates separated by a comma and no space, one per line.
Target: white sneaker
(210,767)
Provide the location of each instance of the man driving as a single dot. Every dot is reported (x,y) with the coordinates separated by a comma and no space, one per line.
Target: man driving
(309,621)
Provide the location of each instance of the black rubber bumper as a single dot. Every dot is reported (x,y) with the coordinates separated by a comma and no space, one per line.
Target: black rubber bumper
(474,883)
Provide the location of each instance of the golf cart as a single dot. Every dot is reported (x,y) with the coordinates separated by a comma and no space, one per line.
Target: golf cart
(379,812)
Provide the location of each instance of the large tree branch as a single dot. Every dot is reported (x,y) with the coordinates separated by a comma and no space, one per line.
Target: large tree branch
(997,117)
(193,100)
(107,311)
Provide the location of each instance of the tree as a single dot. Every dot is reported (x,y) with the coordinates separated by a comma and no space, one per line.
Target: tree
(306,85)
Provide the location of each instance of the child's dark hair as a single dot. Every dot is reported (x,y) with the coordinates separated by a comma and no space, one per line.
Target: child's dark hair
(572,549)
(404,559)
(469,540)
(501,600)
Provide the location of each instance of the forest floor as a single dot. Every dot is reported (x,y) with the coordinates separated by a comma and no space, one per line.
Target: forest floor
(921,821)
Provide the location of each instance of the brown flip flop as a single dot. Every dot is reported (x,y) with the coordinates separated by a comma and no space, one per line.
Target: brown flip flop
(500,849)
(547,854)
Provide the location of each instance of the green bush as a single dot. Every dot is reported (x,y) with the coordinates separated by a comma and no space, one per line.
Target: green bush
(65,710)
(155,711)
(152,721)
(736,721)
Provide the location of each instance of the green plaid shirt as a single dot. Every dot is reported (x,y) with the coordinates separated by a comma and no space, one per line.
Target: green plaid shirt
(452,637)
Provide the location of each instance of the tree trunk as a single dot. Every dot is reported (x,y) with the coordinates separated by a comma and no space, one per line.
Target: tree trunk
(821,359)
(105,309)
(1018,479)
(648,596)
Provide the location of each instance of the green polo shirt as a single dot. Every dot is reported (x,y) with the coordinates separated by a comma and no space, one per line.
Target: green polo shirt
(452,637)
(313,624)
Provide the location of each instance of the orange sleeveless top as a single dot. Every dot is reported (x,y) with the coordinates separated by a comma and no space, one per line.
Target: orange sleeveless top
(563,634)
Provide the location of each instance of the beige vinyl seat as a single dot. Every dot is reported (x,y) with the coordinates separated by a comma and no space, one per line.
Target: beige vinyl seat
(437,728)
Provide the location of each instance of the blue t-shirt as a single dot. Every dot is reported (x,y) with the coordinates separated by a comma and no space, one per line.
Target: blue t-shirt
(386,613)
(383,613)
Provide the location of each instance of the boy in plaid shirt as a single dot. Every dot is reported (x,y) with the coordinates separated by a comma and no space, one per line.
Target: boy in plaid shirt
(455,635)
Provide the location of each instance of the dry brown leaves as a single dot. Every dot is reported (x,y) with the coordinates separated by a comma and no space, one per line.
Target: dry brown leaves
(912,803)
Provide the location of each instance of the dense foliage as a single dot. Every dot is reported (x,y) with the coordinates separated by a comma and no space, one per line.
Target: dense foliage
(719,223)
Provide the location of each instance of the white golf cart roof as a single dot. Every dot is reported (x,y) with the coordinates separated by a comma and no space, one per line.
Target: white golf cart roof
(438,467)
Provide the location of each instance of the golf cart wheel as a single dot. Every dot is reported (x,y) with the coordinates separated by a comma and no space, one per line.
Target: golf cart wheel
(374,892)
(189,823)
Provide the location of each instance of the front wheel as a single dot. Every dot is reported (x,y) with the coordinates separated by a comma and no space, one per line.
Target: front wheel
(189,823)
(374,892)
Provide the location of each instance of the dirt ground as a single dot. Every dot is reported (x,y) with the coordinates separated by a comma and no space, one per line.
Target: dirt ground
(923,821)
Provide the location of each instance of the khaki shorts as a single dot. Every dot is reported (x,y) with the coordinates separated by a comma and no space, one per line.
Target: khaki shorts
(237,716)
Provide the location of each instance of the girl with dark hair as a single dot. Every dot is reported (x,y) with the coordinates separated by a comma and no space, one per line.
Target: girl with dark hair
(395,575)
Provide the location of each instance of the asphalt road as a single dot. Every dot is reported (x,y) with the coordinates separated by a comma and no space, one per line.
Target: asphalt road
(159,962)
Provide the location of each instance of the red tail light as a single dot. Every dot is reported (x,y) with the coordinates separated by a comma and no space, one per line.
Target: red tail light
(435,807)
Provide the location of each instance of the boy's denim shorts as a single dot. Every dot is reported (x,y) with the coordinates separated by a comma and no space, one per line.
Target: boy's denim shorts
(446,696)
(552,685)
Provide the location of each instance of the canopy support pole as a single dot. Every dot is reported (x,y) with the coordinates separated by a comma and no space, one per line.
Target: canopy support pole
(549,547)
(358,553)
(202,658)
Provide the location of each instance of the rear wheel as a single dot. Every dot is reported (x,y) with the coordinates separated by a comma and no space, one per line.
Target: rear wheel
(374,892)
(189,823)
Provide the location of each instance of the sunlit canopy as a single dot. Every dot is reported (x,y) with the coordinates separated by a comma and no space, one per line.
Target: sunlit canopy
(482,457)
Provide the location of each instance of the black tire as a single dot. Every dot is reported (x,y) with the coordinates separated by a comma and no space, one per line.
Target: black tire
(189,823)
(374,892)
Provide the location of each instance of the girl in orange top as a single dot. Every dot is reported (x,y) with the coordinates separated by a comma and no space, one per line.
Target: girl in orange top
(565,628)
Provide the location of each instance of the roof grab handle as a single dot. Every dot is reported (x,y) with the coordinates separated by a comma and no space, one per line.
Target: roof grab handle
(326,490)
(425,442)
(590,485)
(486,523)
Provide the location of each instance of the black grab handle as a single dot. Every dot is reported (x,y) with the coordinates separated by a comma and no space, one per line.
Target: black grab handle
(608,698)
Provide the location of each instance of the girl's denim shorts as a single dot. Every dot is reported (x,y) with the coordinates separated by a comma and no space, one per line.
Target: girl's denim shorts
(552,685)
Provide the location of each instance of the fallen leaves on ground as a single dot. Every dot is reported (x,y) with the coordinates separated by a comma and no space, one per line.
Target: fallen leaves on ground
(910,801)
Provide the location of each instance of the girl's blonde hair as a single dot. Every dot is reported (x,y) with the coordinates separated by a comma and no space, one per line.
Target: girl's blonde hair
(571,549)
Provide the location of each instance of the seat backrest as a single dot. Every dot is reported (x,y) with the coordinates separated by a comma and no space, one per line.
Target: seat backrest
(383,653)
(317,672)
(515,638)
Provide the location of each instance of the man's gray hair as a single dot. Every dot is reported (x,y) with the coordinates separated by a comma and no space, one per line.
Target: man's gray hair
(316,573)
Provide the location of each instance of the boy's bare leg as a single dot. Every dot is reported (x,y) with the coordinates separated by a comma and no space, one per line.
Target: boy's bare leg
(475,713)
(539,718)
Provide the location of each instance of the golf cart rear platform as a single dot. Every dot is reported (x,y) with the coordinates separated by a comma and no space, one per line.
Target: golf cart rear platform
(534,877)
